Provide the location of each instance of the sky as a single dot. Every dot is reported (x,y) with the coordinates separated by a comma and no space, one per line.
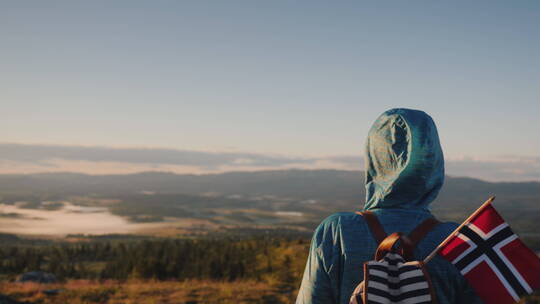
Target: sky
(264,84)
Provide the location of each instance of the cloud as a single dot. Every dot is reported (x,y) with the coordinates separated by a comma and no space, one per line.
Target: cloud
(495,168)
(500,168)
(28,158)
(348,160)
(44,154)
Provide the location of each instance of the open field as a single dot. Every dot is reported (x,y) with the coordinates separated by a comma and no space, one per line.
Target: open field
(159,292)
(149,292)
(253,270)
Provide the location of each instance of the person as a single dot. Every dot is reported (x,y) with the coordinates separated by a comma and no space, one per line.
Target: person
(404,171)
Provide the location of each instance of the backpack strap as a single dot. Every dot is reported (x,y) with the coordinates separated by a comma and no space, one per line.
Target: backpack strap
(375,226)
(388,243)
(408,242)
(421,230)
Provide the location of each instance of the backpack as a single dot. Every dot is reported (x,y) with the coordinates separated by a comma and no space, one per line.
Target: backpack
(394,276)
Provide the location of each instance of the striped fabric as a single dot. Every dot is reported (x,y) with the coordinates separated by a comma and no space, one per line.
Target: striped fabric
(392,280)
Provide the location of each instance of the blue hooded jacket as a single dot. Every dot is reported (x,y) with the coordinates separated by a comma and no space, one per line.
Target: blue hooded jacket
(404,173)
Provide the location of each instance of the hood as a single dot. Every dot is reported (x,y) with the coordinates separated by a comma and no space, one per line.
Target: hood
(404,161)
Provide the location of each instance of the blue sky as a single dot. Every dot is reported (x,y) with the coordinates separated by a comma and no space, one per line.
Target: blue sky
(290,78)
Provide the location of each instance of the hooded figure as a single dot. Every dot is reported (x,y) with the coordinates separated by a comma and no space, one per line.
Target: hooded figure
(404,167)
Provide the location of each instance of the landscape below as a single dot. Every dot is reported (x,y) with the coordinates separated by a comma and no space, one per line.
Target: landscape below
(238,237)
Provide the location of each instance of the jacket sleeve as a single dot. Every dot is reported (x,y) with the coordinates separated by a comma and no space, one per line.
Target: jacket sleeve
(317,285)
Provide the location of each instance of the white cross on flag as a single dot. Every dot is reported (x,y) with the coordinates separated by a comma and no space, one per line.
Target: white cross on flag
(492,258)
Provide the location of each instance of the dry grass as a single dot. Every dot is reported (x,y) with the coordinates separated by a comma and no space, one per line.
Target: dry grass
(158,292)
(151,292)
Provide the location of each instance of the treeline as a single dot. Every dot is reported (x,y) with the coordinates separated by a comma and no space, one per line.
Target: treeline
(279,261)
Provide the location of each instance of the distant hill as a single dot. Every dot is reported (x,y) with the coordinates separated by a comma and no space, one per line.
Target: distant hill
(293,183)
(300,184)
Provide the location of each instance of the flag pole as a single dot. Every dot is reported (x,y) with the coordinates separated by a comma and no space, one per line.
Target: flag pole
(436,250)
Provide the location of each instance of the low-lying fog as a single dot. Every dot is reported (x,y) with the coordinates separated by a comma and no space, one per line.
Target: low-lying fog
(70,219)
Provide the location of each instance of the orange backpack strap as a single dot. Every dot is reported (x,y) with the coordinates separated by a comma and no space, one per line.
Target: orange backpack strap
(375,226)
(421,230)
(406,248)
(408,242)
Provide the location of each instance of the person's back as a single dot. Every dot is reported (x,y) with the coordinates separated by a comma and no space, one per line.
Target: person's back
(404,173)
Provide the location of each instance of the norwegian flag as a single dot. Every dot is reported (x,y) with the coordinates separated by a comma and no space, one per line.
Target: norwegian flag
(492,258)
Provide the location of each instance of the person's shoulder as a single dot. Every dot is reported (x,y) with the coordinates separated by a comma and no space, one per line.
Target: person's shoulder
(333,225)
(447,227)
(339,218)
(442,230)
